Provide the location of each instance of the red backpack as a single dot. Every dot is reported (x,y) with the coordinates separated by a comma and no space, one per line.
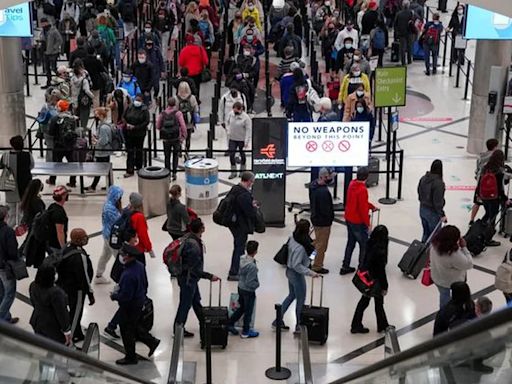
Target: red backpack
(488,189)
(172,256)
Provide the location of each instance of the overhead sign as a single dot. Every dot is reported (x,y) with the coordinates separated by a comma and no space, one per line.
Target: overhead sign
(390,86)
(484,24)
(333,144)
(16,21)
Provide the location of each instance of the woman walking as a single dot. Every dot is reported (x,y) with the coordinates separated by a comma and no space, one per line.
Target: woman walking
(177,215)
(31,204)
(81,94)
(103,140)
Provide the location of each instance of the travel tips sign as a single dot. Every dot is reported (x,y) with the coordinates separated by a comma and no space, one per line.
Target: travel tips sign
(335,144)
(390,86)
(15,21)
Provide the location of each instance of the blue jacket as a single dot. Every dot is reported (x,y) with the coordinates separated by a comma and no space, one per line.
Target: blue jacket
(132,87)
(248,274)
(110,213)
(133,285)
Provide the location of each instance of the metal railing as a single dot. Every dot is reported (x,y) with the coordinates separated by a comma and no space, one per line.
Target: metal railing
(176,369)
(91,345)
(304,369)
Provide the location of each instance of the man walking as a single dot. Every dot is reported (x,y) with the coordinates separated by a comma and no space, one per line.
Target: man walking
(403,32)
(243,226)
(52,47)
(357,218)
(322,215)
(9,247)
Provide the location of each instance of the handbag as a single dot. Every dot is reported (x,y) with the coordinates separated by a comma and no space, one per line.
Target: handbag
(366,284)
(281,256)
(83,98)
(426,278)
(117,270)
(20,230)
(7,181)
(164,226)
(259,224)
(206,76)
(18,268)
(197,118)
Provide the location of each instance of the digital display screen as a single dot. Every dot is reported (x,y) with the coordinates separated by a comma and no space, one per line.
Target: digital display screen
(16,21)
(483,24)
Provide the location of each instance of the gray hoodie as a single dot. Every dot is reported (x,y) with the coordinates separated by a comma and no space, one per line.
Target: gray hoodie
(248,274)
(431,193)
(298,259)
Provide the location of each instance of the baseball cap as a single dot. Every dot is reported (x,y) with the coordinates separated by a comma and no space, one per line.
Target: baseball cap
(60,190)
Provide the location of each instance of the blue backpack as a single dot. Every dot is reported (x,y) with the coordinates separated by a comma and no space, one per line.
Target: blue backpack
(379,39)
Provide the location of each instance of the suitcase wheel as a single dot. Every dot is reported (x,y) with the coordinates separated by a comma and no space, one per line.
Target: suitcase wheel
(224,346)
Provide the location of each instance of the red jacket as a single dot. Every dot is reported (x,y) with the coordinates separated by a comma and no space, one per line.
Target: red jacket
(140,226)
(194,58)
(358,207)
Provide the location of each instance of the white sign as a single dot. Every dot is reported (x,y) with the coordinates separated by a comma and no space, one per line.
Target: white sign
(320,144)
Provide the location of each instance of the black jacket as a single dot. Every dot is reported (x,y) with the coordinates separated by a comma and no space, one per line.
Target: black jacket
(292,40)
(402,23)
(456,25)
(431,190)
(144,74)
(35,206)
(247,64)
(244,210)
(95,67)
(139,118)
(75,270)
(79,53)
(320,200)
(369,21)
(50,317)
(176,83)
(8,244)
(453,315)
(193,259)
(375,263)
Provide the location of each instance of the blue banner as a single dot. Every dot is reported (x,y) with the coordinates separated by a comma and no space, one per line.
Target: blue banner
(16,21)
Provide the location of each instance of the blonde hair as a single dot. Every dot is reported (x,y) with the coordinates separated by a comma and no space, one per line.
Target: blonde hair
(191,7)
(184,90)
(101,112)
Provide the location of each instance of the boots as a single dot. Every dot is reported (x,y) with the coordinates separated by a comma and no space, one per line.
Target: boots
(242,170)
(232,175)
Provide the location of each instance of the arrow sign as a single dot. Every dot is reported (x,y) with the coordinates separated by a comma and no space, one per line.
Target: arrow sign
(390,86)
(397,98)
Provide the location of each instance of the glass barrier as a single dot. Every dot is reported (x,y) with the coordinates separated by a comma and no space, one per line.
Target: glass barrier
(304,369)
(477,352)
(27,358)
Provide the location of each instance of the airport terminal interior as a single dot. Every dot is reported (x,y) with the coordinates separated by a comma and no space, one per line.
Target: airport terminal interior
(437,122)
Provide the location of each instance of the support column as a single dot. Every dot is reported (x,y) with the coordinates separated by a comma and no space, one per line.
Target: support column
(12,96)
(482,124)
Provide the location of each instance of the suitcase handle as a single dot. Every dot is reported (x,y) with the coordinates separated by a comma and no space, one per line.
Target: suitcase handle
(378,217)
(220,291)
(321,290)
(437,227)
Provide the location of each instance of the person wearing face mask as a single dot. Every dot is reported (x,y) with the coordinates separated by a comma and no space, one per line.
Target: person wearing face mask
(352,99)
(456,27)
(129,84)
(164,23)
(226,104)
(234,28)
(58,220)
(148,34)
(363,112)
(298,108)
(248,64)
(352,81)
(348,31)
(207,31)
(344,55)
(143,70)
(137,120)
(238,127)
(251,11)
(251,40)
(320,16)
(290,39)
(213,16)
(431,38)
(328,37)
(75,274)
(238,81)
(72,9)
(193,57)
(52,42)
(359,59)
(403,32)
(154,56)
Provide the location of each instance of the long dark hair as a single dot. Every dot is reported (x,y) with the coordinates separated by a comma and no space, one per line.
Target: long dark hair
(301,235)
(437,168)
(45,276)
(496,161)
(446,240)
(461,295)
(119,98)
(31,193)
(378,242)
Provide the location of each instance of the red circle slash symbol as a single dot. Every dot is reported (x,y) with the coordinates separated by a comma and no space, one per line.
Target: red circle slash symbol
(311,146)
(344,145)
(328,146)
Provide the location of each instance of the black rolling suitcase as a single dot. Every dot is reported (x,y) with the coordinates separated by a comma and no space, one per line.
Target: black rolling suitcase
(316,319)
(218,317)
(395,52)
(415,258)
(373,166)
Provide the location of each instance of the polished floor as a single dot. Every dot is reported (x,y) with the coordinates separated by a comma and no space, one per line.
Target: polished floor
(439,134)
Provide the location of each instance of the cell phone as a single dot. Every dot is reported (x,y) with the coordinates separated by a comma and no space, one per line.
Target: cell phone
(313,255)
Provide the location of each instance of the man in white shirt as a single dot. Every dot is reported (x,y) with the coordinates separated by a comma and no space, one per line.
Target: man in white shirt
(348,31)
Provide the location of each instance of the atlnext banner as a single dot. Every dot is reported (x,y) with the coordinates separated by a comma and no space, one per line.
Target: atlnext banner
(269,167)
(16,21)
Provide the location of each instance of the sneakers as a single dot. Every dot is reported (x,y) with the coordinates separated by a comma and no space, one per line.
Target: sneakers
(111,332)
(127,175)
(249,334)
(493,243)
(126,361)
(297,332)
(322,271)
(284,327)
(153,347)
(346,271)
(187,334)
(359,330)
(101,280)
(231,329)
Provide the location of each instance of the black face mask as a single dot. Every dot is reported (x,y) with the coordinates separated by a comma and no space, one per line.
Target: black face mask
(237,113)
(47,27)
(234,94)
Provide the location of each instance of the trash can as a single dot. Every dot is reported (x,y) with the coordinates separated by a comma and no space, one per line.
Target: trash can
(154,188)
(202,186)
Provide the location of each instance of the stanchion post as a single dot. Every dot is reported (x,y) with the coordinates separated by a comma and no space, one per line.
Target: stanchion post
(445,49)
(27,77)
(450,71)
(34,61)
(393,158)
(457,78)
(388,200)
(400,175)
(381,116)
(278,372)
(155,153)
(466,86)
(41,152)
(209,152)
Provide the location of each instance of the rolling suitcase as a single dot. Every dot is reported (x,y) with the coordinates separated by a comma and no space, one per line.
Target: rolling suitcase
(415,258)
(316,319)
(395,52)
(373,166)
(218,317)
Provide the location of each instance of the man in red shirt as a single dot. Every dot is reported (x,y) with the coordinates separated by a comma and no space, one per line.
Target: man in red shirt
(139,224)
(193,57)
(357,218)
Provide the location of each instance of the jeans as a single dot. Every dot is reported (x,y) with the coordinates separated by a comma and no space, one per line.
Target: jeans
(116,319)
(492,208)
(49,64)
(405,49)
(382,321)
(297,291)
(174,148)
(239,241)
(106,255)
(444,295)
(58,156)
(189,297)
(357,233)
(434,51)
(135,150)
(8,294)
(96,180)
(429,221)
(246,300)
(235,145)
(322,235)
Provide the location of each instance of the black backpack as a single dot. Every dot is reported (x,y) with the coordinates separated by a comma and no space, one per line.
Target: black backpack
(170,129)
(127,12)
(40,229)
(225,213)
(67,131)
(185,107)
(119,230)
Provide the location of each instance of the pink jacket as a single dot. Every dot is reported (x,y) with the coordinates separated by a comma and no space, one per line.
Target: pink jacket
(179,117)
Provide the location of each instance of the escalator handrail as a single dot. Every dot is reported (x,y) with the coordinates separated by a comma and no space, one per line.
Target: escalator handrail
(306,357)
(467,330)
(13,332)
(176,354)
(92,330)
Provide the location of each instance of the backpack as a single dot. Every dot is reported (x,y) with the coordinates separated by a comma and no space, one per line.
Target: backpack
(117,138)
(107,82)
(104,37)
(170,129)
(225,213)
(302,93)
(488,188)
(55,258)
(172,256)
(379,39)
(40,229)
(185,106)
(119,229)
(49,9)
(67,131)
(127,12)
(503,281)
(432,36)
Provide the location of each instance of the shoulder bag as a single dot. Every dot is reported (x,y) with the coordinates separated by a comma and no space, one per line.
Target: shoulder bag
(7,181)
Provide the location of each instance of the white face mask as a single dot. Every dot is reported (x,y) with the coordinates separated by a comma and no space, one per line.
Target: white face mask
(137,103)
(247,53)
(436,22)
(348,46)
(142,60)
(360,93)
(251,7)
(356,73)
(126,79)
(360,109)
(357,58)
(460,11)
(147,30)
(327,3)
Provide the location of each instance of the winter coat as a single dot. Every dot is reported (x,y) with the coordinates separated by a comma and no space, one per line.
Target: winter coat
(248,274)
(133,285)
(350,105)
(53,41)
(298,259)
(110,213)
(453,315)
(145,75)
(193,259)
(358,207)
(449,269)
(132,88)
(140,226)
(402,23)
(177,217)
(179,117)
(226,105)
(349,81)
(194,58)
(80,82)
(138,117)
(243,209)
(320,200)
(104,144)
(431,190)
(239,127)
(75,270)
(94,67)
(375,262)
(9,245)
